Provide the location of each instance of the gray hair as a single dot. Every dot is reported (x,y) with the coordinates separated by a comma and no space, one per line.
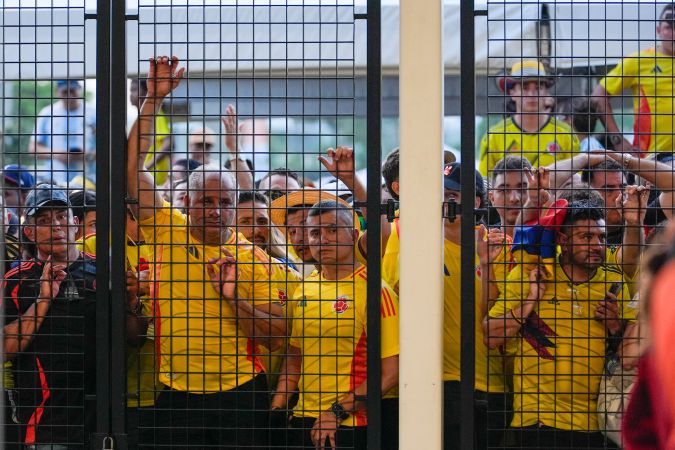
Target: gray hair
(198,177)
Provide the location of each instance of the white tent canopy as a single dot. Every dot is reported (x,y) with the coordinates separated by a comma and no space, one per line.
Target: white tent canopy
(309,40)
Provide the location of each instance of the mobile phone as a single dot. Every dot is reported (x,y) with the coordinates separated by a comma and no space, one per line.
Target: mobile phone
(615,289)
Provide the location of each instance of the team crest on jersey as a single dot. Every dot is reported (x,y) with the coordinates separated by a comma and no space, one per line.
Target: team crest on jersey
(554,301)
(302,303)
(283,298)
(553,147)
(341,305)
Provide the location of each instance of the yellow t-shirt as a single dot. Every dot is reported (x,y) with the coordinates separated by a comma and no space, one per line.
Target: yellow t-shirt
(142,383)
(201,348)
(554,142)
(162,131)
(489,368)
(329,328)
(649,75)
(560,355)
(390,267)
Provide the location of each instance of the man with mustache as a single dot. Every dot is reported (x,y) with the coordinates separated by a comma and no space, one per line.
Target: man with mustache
(50,331)
(213,299)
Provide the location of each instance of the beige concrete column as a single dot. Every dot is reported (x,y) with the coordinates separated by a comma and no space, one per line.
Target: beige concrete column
(421,257)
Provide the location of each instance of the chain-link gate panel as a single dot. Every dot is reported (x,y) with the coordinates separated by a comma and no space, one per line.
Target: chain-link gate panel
(228,306)
(574,159)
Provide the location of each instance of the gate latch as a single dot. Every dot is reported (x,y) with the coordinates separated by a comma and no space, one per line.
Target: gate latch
(452,209)
(389,209)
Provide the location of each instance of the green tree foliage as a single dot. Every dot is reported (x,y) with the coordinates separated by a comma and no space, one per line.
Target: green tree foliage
(25,99)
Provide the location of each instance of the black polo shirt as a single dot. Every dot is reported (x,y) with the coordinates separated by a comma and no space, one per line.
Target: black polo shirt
(57,369)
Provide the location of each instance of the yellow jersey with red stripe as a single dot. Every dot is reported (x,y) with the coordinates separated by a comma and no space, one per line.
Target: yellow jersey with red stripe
(329,328)
(200,347)
(560,351)
(649,76)
(489,366)
(555,141)
(390,266)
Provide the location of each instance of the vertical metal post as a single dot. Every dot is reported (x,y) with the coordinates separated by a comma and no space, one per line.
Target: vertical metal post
(118,103)
(421,255)
(374,162)
(468,138)
(102,221)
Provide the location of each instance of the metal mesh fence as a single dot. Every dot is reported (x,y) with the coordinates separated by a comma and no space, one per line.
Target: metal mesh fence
(233,296)
(575,176)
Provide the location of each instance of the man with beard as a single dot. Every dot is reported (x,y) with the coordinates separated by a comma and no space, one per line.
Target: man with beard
(559,323)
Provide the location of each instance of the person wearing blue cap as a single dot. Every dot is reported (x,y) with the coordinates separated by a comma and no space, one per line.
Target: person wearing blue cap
(64,136)
(17,181)
(492,405)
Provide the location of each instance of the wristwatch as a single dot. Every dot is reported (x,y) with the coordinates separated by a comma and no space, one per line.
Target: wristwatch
(616,139)
(339,411)
(627,158)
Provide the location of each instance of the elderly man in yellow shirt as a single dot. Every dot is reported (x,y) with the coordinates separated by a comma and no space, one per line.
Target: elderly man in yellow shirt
(214,303)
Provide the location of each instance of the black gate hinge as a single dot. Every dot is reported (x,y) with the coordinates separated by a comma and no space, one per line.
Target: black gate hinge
(452,209)
(389,209)
(386,209)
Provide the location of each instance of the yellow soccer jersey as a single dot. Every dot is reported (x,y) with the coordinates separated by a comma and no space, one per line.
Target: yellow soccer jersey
(142,384)
(649,75)
(284,282)
(489,374)
(560,352)
(554,142)
(160,171)
(329,328)
(390,266)
(201,349)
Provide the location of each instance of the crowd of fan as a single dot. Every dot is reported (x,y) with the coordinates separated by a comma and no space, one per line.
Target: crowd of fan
(246,300)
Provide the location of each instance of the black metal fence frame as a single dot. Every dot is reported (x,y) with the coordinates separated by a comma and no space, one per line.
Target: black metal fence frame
(111,19)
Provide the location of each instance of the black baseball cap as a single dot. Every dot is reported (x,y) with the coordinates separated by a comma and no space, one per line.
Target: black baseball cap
(43,196)
(452,174)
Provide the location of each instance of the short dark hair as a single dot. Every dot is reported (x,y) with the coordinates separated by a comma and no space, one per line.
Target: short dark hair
(583,114)
(253,196)
(326,206)
(283,172)
(608,165)
(390,171)
(582,193)
(81,203)
(509,164)
(582,210)
(670,7)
